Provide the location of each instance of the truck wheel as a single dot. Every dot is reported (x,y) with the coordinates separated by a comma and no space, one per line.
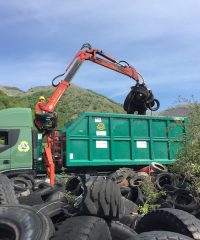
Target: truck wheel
(7,193)
(160,235)
(167,219)
(102,198)
(120,231)
(23,222)
(83,228)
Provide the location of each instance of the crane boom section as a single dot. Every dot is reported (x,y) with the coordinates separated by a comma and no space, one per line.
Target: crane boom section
(83,55)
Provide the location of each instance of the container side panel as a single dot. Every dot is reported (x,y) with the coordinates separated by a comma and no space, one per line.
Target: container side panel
(81,129)
(100,126)
(100,139)
(101,150)
(78,150)
(122,150)
(121,127)
(140,128)
(159,129)
(161,150)
(142,150)
(176,129)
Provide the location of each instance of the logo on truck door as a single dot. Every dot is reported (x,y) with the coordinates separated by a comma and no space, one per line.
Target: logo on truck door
(23,146)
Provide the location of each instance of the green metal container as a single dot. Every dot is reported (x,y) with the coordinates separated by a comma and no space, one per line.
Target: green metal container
(100,139)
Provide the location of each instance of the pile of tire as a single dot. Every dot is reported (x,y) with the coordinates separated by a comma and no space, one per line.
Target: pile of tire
(175,188)
(97,207)
(36,210)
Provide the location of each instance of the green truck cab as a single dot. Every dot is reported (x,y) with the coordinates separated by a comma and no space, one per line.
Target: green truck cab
(16,139)
(94,140)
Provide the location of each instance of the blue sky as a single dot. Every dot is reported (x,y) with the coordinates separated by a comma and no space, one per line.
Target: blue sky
(161,39)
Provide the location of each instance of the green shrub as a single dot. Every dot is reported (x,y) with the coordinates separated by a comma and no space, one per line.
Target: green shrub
(151,195)
(188,159)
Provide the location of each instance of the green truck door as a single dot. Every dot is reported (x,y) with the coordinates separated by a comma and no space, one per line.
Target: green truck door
(16,150)
(5,161)
(21,152)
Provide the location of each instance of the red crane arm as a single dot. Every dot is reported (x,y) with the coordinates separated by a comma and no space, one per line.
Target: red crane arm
(74,65)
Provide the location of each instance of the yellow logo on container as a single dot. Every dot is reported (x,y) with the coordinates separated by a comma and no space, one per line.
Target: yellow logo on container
(101,126)
(23,146)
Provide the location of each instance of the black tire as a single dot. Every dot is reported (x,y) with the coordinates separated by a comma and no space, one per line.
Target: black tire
(22,222)
(7,193)
(51,209)
(169,189)
(152,106)
(138,178)
(28,177)
(31,199)
(162,235)
(44,194)
(121,174)
(127,101)
(21,184)
(130,221)
(120,231)
(184,200)
(166,203)
(163,179)
(38,196)
(83,228)
(128,207)
(51,193)
(44,190)
(125,191)
(158,168)
(136,196)
(167,219)
(102,198)
(57,196)
(74,185)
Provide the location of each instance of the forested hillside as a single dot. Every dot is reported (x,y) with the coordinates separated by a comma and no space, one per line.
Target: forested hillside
(75,101)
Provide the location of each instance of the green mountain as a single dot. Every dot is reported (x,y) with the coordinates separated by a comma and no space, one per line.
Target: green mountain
(74,101)
(11,91)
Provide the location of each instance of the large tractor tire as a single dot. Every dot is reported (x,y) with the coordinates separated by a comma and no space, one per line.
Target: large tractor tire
(23,222)
(83,228)
(102,198)
(168,219)
(7,193)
